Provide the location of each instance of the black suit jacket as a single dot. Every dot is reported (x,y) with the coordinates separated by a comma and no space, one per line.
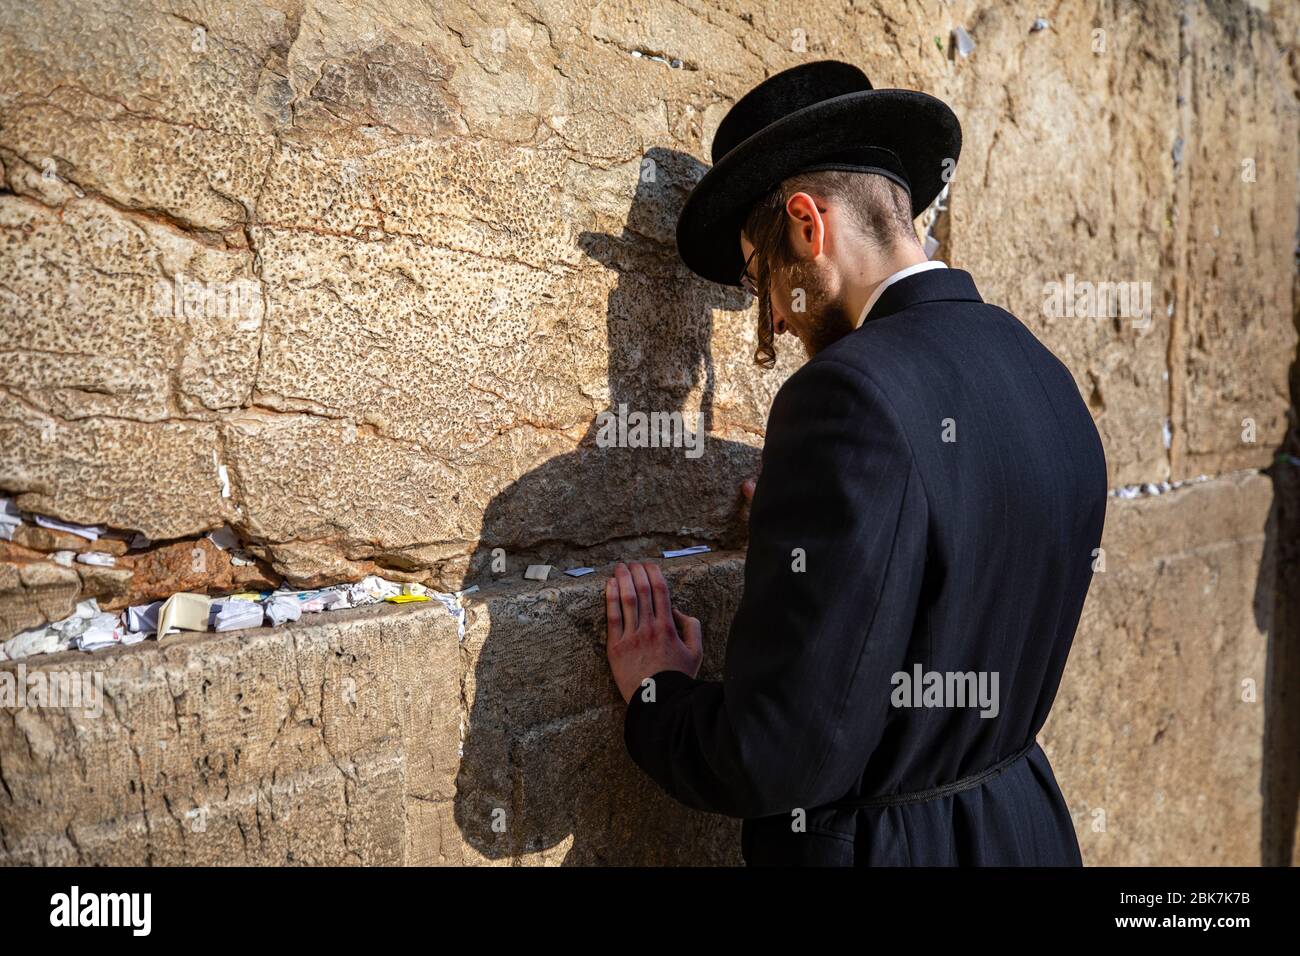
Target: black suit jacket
(932,494)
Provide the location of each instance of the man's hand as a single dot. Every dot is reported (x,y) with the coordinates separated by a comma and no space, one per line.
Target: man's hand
(644,633)
(747,492)
(737,534)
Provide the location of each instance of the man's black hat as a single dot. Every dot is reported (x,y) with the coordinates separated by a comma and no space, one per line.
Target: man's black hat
(822,115)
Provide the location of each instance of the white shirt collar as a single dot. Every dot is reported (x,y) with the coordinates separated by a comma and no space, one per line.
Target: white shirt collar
(900,274)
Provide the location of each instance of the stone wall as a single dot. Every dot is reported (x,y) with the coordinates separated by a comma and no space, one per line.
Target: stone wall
(356,282)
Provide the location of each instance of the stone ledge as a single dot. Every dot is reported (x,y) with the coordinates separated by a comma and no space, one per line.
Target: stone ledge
(197,739)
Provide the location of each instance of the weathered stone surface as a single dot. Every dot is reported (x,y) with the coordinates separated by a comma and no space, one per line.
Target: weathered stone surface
(1157,736)
(111,587)
(1058,179)
(153,111)
(1241,134)
(33,592)
(300,744)
(582,803)
(50,540)
(191,566)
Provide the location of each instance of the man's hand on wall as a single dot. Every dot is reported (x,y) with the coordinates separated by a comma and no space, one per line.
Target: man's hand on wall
(644,633)
(737,534)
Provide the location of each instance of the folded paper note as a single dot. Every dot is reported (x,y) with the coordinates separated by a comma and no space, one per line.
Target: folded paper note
(324,599)
(235,615)
(683,552)
(371,590)
(10,518)
(965,45)
(183,610)
(83,530)
(143,618)
(105,630)
(224,538)
(281,608)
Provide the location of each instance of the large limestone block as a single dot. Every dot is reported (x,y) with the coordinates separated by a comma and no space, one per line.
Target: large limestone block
(305,743)
(1115,148)
(1235,334)
(124,364)
(142,108)
(1157,733)
(33,592)
(163,479)
(545,777)
(1065,172)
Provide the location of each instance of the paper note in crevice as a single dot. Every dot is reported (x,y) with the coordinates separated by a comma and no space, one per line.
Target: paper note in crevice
(683,552)
(184,610)
(101,558)
(454,604)
(233,614)
(105,630)
(90,532)
(143,618)
(371,590)
(10,518)
(322,599)
(224,538)
(281,608)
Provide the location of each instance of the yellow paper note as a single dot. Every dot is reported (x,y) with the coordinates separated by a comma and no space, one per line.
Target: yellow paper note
(183,610)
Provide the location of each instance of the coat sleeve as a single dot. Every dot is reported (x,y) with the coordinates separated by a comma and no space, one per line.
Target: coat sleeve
(837,537)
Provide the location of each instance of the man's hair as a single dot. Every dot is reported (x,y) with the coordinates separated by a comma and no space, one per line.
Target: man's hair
(880,208)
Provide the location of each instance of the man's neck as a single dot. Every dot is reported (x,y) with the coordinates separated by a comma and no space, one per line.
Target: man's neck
(875,270)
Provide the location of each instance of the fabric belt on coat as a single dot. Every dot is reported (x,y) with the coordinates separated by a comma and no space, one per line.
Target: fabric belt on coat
(919,796)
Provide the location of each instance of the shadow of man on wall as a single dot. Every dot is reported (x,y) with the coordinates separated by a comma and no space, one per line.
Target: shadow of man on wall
(543,765)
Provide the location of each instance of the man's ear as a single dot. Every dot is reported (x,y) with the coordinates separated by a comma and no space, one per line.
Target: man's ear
(807,227)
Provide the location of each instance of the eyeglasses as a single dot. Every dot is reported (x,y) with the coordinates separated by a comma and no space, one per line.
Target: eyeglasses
(746,280)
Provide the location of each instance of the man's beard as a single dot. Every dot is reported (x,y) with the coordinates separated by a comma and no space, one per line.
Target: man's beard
(825,320)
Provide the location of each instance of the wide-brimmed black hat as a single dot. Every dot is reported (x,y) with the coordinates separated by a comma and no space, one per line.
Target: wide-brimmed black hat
(822,115)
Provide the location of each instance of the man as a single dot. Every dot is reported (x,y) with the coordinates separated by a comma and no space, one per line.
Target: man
(922,534)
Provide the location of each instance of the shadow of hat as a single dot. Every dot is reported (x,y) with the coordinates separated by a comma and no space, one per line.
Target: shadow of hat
(648,241)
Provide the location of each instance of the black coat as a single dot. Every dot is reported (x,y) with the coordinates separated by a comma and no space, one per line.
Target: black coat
(945,485)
